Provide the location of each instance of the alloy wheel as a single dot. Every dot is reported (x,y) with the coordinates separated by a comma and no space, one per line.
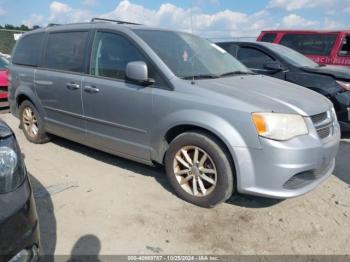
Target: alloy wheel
(30,122)
(195,171)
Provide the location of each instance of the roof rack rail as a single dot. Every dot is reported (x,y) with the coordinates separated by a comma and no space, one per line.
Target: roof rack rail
(111,20)
(51,25)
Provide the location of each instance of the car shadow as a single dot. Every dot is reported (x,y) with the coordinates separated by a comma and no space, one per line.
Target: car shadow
(252,201)
(342,167)
(47,220)
(157,172)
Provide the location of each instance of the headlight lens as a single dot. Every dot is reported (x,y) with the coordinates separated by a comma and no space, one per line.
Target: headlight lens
(8,161)
(12,171)
(279,126)
(345,86)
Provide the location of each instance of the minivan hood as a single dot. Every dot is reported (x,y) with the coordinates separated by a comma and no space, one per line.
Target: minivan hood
(338,72)
(269,94)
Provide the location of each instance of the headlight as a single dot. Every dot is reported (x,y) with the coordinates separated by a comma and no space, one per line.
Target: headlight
(12,171)
(345,86)
(279,126)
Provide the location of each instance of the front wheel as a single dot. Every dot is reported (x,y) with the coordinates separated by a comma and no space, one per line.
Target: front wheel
(199,169)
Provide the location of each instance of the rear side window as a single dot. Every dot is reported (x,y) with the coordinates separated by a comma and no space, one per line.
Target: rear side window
(310,44)
(230,48)
(28,50)
(345,49)
(253,58)
(66,51)
(269,37)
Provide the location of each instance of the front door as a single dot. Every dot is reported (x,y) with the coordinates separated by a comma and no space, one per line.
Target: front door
(118,113)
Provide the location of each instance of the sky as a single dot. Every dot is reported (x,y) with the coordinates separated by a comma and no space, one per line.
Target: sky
(208,18)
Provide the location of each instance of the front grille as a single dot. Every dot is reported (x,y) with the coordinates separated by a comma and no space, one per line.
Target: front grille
(324,132)
(3,88)
(323,124)
(316,119)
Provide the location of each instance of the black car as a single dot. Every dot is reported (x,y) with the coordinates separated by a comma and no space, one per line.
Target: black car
(286,64)
(19,229)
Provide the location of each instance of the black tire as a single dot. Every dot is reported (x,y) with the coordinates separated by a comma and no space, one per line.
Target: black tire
(41,137)
(225,172)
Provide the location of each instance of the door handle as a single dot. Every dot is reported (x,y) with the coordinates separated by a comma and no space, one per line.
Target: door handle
(91,89)
(72,86)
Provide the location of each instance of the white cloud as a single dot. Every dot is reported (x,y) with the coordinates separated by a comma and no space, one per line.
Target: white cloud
(89,2)
(34,19)
(292,5)
(219,24)
(2,11)
(223,24)
(63,13)
(332,24)
(295,21)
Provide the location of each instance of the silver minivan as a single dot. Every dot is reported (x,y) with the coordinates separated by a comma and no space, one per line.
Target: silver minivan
(167,97)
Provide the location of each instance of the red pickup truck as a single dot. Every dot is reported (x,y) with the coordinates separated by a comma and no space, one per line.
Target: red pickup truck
(3,82)
(324,47)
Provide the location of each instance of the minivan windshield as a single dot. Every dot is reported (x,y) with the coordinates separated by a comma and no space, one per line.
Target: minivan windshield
(293,57)
(190,56)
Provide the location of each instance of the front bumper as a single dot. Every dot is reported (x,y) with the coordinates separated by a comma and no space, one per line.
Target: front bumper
(287,169)
(19,229)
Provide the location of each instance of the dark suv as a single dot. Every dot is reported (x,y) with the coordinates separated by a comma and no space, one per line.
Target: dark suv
(173,98)
(19,229)
(286,64)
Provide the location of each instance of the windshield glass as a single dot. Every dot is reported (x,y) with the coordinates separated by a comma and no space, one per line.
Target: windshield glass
(3,63)
(190,56)
(293,57)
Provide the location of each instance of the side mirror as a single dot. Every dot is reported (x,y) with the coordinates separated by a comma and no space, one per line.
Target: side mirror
(138,72)
(274,66)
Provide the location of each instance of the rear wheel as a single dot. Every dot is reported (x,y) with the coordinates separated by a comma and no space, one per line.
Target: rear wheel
(32,123)
(199,169)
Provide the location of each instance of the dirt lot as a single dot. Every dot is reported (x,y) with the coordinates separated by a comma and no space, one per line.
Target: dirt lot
(90,202)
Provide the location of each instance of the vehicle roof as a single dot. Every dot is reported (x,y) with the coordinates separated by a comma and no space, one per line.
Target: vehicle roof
(306,31)
(266,44)
(96,25)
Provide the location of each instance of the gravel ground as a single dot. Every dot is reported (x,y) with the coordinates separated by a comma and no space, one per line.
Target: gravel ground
(90,202)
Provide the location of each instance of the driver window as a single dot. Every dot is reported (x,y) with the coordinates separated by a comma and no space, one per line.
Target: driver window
(253,58)
(111,54)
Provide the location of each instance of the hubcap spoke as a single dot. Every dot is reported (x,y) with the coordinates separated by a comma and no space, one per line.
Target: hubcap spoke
(187,157)
(186,180)
(194,186)
(183,162)
(208,179)
(195,157)
(203,159)
(207,171)
(201,186)
(182,172)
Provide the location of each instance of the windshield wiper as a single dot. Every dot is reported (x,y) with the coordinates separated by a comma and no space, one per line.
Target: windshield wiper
(234,73)
(202,76)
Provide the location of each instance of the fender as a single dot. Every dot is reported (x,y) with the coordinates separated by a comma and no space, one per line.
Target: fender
(30,93)
(216,125)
